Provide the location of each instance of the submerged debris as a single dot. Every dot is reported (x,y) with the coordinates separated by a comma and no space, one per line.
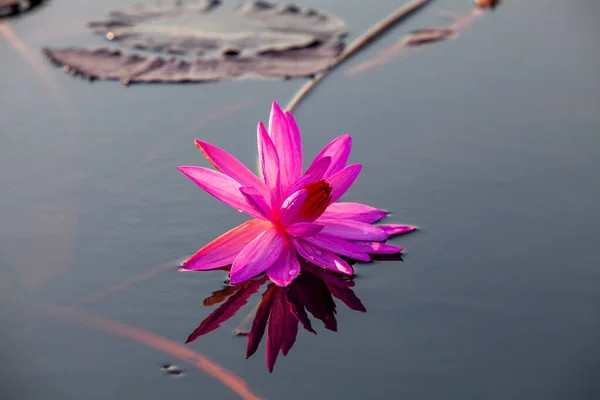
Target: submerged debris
(424,36)
(202,40)
(168,367)
(172,370)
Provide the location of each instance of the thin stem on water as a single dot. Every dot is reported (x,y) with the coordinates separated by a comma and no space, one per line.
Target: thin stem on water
(160,343)
(363,40)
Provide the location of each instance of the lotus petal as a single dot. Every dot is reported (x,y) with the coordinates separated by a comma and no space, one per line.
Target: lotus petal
(223,250)
(354,211)
(257,256)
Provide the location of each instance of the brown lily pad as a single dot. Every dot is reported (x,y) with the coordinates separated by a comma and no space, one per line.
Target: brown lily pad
(203,40)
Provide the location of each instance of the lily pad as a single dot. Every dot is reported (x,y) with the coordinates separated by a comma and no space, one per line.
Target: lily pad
(204,40)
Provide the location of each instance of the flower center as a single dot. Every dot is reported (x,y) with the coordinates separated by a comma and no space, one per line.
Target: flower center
(317,199)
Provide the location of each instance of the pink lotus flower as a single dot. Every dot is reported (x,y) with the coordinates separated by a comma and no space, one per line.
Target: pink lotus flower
(295,214)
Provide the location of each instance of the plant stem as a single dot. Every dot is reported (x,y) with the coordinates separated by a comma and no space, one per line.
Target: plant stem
(363,40)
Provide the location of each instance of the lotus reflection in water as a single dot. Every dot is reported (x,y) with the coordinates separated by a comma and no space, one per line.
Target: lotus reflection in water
(282,310)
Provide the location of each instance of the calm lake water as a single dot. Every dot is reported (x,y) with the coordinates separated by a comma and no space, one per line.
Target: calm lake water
(488,142)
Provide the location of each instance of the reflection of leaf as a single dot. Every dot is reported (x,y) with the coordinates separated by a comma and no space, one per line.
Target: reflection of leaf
(260,320)
(298,309)
(347,296)
(340,288)
(227,309)
(203,41)
(219,296)
(317,299)
(277,327)
(291,328)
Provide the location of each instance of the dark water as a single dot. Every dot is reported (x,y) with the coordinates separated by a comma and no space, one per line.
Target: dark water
(488,142)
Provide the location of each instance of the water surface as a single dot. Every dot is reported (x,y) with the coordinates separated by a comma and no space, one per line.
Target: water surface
(488,142)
